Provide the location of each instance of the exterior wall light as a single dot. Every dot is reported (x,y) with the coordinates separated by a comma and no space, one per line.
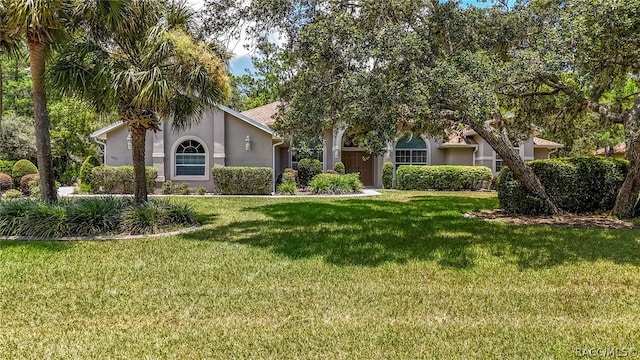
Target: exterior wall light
(247,143)
(129,144)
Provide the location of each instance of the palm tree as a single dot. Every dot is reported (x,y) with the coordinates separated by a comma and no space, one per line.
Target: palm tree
(41,22)
(141,57)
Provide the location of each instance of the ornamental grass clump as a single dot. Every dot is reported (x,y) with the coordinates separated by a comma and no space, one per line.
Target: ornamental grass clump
(334,184)
(91,217)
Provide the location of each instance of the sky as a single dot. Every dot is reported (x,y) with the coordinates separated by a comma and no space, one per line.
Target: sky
(242,60)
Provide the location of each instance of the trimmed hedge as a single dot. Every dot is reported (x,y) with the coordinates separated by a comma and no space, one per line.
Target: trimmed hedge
(240,180)
(86,169)
(577,185)
(5,182)
(335,184)
(119,179)
(307,169)
(387,175)
(21,168)
(6,166)
(442,177)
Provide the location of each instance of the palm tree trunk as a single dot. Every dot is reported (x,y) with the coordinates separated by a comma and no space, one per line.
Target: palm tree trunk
(138,141)
(521,172)
(37,49)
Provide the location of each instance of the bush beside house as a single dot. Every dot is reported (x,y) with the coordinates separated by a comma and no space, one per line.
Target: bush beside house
(239,180)
(577,185)
(387,175)
(119,179)
(86,172)
(307,169)
(442,177)
(335,184)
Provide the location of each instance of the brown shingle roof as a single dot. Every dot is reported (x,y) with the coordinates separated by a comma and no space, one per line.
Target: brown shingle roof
(538,142)
(264,114)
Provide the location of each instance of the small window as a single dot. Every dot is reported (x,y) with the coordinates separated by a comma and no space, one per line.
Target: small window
(500,162)
(190,159)
(411,152)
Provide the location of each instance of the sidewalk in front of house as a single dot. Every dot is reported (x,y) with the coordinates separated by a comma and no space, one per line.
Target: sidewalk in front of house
(66,191)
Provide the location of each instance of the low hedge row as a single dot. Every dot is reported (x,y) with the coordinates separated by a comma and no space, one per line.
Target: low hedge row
(442,177)
(240,180)
(577,185)
(119,179)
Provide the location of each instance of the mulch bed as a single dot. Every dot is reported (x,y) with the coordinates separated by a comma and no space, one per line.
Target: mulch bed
(568,220)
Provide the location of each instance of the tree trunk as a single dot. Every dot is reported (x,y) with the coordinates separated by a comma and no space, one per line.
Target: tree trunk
(1,95)
(138,140)
(521,172)
(627,198)
(37,49)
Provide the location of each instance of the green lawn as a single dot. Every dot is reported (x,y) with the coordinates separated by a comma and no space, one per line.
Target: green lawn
(403,275)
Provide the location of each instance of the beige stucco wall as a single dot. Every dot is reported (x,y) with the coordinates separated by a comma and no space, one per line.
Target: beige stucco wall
(463,156)
(117,152)
(540,153)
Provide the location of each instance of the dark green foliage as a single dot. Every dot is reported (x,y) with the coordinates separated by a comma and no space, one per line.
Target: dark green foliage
(119,179)
(339,167)
(442,177)
(86,170)
(6,166)
(154,216)
(21,168)
(90,217)
(13,215)
(335,184)
(307,169)
(96,215)
(26,183)
(387,175)
(577,185)
(238,180)
(5,182)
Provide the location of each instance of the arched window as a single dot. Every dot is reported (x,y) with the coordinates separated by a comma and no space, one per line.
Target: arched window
(190,159)
(411,151)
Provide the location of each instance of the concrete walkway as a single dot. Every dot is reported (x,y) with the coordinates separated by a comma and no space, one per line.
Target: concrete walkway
(65,191)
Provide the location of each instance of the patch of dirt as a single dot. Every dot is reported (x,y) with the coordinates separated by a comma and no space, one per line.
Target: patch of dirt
(569,220)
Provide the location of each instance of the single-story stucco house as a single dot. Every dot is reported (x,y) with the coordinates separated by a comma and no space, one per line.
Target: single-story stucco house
(225,137)
(618,151)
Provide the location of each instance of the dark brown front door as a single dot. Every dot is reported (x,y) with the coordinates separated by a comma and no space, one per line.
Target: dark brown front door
(359,162)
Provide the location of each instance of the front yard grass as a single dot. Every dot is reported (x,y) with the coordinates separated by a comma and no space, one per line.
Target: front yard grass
(402,275)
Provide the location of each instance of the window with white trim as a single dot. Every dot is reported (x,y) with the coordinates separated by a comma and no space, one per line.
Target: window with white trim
(411,151)
(190,159)
(500,162)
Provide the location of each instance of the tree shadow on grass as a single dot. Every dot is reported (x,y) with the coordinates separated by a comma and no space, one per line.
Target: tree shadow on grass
(367,232)
(34,245)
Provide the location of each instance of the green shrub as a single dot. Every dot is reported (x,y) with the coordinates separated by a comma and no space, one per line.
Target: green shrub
(154,216)
(96,215)
(233,180)
(86,170)
(169,187)
(26,183)
(13,194)
(13,215)
(21,168)
(6,166)
(119,179)
(201,190)
(47,221)
(335,184)
(577,185)
(442,177)
(339,167)
(5,182)
(387,175)
(287,188)
(307,169)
